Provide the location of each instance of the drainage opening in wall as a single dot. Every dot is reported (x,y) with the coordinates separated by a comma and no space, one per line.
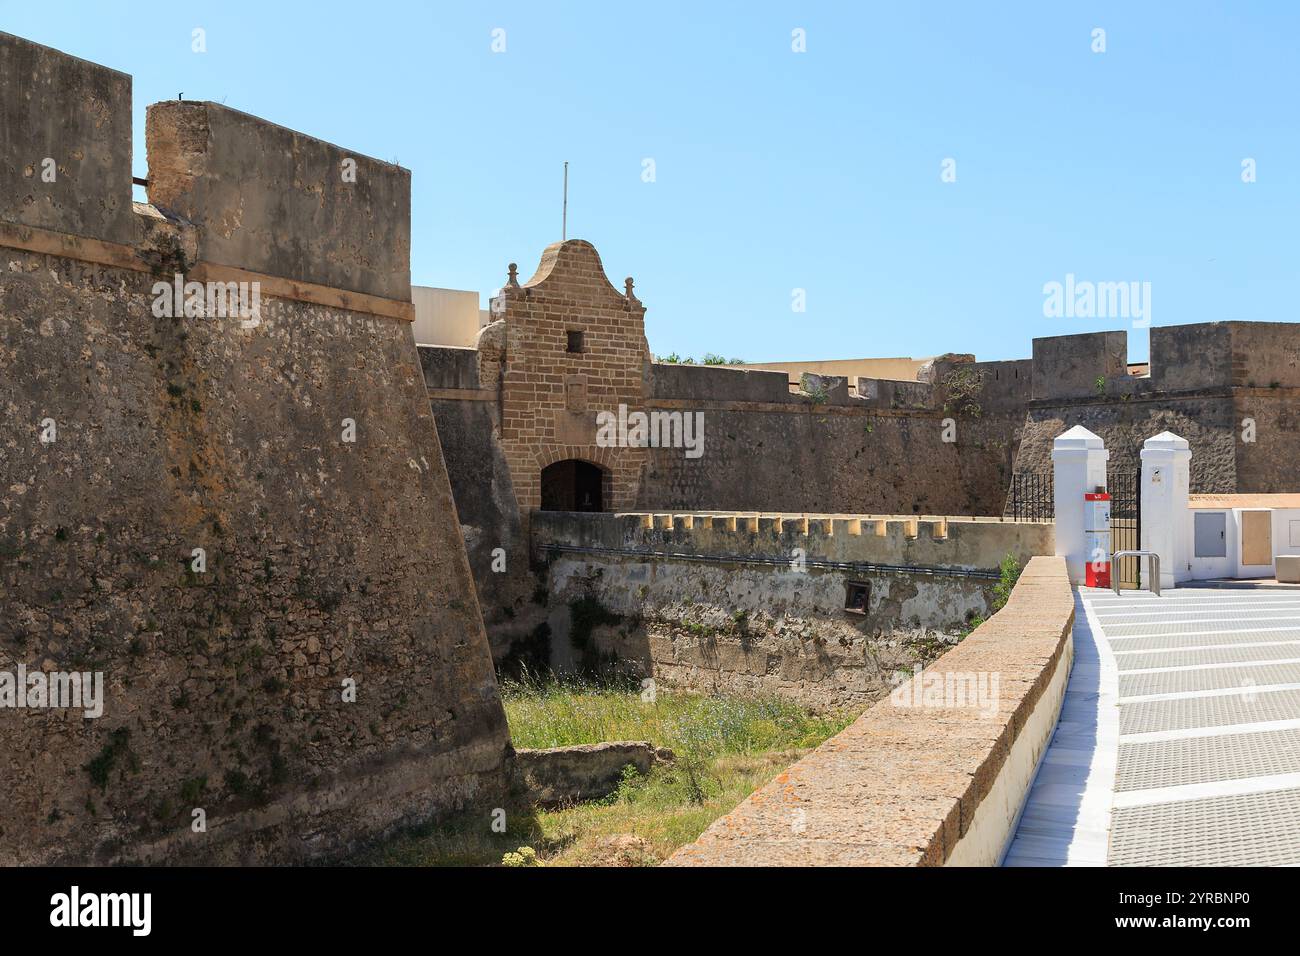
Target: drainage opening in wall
(857,597)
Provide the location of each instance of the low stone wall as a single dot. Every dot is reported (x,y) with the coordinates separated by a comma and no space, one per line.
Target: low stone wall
(556,776)
(915,785)
(912,541)
(728,603)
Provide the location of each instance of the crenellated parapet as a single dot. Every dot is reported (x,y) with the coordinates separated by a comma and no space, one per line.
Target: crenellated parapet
(1205,357)
(924,543)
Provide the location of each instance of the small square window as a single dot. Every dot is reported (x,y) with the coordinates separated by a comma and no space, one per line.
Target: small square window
(857,597)
(576,343)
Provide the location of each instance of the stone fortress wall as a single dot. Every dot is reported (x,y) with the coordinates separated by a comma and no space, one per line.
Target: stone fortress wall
(946,444)
(746,603)
(129,439)
(327,561)
(1231,388)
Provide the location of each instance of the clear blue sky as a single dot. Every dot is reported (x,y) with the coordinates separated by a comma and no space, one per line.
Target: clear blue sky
(777,170)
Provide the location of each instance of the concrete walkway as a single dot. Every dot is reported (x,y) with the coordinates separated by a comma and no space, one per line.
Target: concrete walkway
(1179,738)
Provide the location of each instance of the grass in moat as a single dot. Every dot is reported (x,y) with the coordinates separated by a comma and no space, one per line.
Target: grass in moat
(725,748)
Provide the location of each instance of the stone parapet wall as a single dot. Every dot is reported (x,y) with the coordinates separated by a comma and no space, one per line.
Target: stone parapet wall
(449,367)
(910,785)
(71,118)
(757,604)
(718,383)
(918,541)
(271,200)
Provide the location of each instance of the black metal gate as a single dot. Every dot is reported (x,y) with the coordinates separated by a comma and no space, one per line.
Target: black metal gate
(1031,497)
(1125,488)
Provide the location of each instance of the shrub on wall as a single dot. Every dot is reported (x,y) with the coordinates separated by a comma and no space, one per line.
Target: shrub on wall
(1009,573)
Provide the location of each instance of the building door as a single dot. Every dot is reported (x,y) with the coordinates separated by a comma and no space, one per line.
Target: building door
(1211,534)
(1210,544)
(572,485)
(1257,537)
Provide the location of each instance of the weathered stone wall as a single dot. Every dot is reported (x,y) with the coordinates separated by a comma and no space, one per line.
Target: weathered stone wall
(1265,354)
(913,782)
(1068,366)
(326,560)
(722,606)
(1207,423)
(468,420)
(77,115)
(1232,389)
(934,448)
(1271,463)
(560,776)
(272,200)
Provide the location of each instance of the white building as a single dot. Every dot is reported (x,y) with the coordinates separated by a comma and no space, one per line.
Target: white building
(447,316)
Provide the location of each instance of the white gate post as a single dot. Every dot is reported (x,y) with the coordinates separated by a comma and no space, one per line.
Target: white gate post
(1166,518)
(1078,468)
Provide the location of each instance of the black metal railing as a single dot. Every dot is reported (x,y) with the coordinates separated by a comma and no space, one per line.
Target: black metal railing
(1031,497)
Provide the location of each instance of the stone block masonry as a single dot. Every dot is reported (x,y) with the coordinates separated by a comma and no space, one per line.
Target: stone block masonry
(128,441)
(573,347)
(738,603)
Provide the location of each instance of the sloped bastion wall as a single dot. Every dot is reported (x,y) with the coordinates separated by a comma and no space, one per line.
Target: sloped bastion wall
(322,675)
(736,603)
(922,780)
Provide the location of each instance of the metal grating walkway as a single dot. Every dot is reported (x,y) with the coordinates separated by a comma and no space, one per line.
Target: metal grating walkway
(1255,829)
(1182,731)
(1147,765)
(1191,713)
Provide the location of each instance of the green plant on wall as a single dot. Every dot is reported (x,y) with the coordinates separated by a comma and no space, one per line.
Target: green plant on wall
(812,386)
(963,385)
(709,358)
(1008,574)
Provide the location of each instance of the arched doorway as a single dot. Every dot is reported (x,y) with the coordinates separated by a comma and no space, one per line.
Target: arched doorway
(572,485)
